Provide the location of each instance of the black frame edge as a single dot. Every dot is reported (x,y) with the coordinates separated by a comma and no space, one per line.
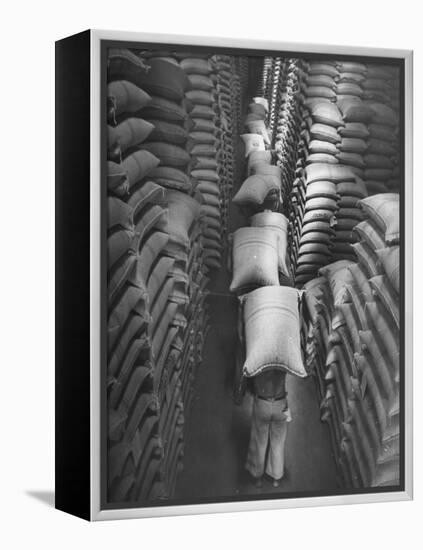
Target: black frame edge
(72,210)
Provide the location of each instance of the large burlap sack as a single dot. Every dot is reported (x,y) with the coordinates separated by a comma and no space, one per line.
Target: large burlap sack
(321,158)
(272,331)
(171,178)
(164,109)
(351,67)
(323,132)
(203,111)
(352,145)
(355,110)
(183,210)
(257,109)
(354,130)
(258,157)
(169,155)
(205,174)
(326,113)
(351,159)
(200,97)
(253,142)
(138,165)
(255,189)
(383,114)
(262,101)
(317,68)
(278,223)
(384,291)
(318,189)
(193,65)
(381,131)
(388,336)
(338,275)
(117,179)
(349,89)
(317,146)
(325,172)
(258,127)
(381,147)
(126,97)
(383,210)
(127,134)
(390,260)
(254,258)
(201,82)
(378,161)
(264,169)
(320,91)
(354,189)
(320,80)
(164,79)
(168,132)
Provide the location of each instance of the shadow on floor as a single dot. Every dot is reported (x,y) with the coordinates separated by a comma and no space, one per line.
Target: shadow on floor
(46,497)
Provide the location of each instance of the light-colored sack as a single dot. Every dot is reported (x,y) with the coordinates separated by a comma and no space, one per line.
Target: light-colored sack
(390,260)
(272,331)
(383,209)
(253,142)
(254,258)
(259,127)
(278,223)
(262,101)
(255,189)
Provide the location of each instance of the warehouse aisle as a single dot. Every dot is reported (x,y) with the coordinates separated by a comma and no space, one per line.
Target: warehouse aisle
(218,430)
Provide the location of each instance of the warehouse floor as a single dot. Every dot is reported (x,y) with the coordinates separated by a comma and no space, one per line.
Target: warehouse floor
(217,431)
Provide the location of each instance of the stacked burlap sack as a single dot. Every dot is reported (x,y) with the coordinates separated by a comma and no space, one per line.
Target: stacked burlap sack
(286,134)
(166,131)
(342,107)
(351,340)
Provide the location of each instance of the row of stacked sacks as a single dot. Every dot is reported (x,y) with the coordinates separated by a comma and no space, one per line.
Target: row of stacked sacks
(286,136)
(269,306)
(367,96)
(164,234)
(351,328)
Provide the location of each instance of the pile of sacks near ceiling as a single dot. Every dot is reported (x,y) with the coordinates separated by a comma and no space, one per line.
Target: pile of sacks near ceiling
(269,313)
(170,165)
(351,333)
(349,144)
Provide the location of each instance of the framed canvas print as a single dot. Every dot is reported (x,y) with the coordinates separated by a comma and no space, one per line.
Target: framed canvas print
(233,275)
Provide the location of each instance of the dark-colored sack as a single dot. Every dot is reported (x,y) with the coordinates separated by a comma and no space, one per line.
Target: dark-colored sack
(165,80)
(168,132)
(354,110)
(352,145)
(201,82)
(193,65)
(169,155)
(354,130)
(164,109)
(200,97)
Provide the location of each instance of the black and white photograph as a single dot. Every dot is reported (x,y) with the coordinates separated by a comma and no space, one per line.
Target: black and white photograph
(252,275)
